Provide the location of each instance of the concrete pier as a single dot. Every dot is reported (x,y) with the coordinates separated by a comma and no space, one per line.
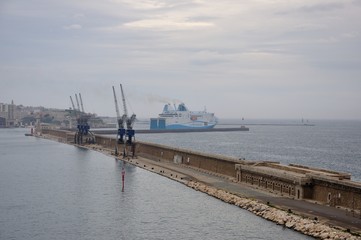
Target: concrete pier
(322,196)
(146,131)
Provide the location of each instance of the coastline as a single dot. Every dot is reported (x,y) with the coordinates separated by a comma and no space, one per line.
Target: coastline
(315,227)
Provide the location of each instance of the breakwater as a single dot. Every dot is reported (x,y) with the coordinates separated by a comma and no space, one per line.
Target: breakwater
(266,176)
(298,182)
(311,227)
(146,131)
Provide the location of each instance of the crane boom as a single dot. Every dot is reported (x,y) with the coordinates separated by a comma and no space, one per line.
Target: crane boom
(81,103)
(123,98)
(130,121)
(77,102)
(72,103)
(116,107)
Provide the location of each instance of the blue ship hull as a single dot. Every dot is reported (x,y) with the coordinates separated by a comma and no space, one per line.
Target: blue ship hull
(160,124)
(180,126)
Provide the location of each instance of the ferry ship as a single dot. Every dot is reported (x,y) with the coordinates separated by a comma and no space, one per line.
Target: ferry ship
(180,117)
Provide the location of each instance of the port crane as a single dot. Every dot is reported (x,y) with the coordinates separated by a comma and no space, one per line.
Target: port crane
(82,118)
(129,120)
(120,121)
(124,136)
(77,102)
(72,103)
(81,103)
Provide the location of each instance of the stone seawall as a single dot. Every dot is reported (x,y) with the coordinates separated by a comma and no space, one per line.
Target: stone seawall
(327,187)
(209,162)
(298,182)
(158,156)
(304,225)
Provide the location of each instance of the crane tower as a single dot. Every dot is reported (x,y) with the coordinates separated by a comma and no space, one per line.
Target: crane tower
(82,118)
(124,135)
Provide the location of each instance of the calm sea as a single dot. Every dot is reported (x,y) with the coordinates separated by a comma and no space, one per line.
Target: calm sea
(50,190)
(334,145)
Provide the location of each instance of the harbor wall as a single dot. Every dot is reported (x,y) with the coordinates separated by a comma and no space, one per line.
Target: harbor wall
(299,182)
(56,133)
(337,193)
(209,162)
(276,178)
(62,136)
(106,142)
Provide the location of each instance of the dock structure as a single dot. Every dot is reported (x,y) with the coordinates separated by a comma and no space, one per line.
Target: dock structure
(125,134)
(294,181)
(308,185)
(301,182)
(83,133)
(148,131)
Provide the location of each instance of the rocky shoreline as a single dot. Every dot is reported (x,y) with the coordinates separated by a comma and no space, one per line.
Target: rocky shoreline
(306,226)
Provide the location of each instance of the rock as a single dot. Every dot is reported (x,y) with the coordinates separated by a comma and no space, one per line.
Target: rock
(324,235)
(290,224)
(304,225)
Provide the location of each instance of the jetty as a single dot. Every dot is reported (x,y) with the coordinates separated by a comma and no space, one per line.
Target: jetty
(148,131)
(321,203)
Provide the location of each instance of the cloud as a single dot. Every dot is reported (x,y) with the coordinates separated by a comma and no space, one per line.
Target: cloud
(206,57)
(321,7)
(314,8)
(145,4)
(73,27)
(167,24)
(78,15)
(152,98)
(214,52)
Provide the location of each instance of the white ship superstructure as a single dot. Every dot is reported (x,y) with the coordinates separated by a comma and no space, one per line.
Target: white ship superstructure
(180,117)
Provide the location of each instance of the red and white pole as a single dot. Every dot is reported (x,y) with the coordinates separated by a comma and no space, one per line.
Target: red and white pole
(123,176)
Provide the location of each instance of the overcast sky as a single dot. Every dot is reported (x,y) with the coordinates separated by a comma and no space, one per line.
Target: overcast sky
(252,59)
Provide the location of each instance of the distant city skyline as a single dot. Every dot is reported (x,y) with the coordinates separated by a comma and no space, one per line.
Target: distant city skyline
(252,59)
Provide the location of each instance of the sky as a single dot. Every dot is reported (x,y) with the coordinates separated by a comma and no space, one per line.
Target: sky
(253,58)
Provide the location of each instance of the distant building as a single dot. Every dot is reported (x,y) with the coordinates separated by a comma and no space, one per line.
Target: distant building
(7,118)
(12,115)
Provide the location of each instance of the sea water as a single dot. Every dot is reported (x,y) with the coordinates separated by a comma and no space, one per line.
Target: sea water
(327,144)
(50,190)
